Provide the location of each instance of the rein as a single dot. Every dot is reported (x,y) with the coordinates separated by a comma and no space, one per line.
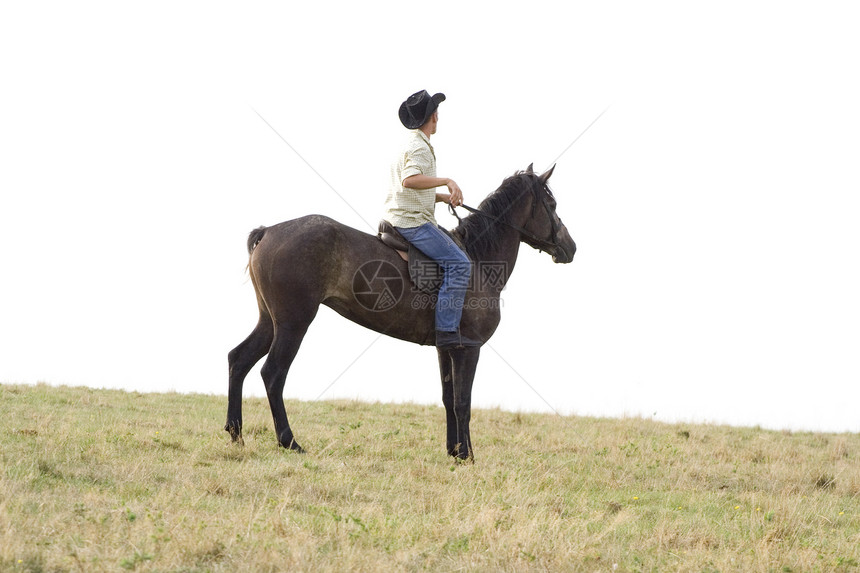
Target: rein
(552,243)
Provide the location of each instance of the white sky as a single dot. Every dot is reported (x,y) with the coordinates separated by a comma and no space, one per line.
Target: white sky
(715,204)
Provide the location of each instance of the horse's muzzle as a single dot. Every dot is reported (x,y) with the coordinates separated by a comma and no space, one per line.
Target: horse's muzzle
(564,253)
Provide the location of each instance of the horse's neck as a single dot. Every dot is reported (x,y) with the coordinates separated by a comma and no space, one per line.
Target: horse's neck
(499,260)
(502,252)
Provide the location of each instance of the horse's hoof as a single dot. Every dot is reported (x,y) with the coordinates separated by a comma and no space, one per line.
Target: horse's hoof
(461,454)
(235,435)
(294,446)
(297,448)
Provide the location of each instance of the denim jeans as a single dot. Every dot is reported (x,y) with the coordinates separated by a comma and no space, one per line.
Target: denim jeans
(456,270)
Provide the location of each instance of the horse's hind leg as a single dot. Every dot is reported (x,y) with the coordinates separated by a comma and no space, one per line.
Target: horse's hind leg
(240,360)
(288,338)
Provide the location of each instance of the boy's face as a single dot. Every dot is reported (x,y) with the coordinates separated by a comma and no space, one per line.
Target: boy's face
(434,119)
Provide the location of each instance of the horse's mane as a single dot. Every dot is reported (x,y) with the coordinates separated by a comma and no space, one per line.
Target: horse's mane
(480,233)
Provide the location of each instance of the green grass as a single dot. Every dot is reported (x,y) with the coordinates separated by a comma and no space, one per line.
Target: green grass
(98,480)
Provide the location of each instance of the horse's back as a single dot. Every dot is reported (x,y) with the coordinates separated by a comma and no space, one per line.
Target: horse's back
(306,236)
(314,255)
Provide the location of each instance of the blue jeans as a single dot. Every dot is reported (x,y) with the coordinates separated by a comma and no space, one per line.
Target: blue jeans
(456,270)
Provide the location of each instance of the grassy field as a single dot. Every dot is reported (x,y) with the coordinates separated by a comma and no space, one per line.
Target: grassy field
(96,480)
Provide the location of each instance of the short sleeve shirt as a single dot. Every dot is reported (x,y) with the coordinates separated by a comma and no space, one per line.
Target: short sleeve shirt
(406,207)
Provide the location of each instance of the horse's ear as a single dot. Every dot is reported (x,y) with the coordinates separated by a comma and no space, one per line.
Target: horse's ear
(530,168)
(545,177)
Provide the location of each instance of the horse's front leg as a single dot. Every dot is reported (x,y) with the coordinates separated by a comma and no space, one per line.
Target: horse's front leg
(446,372)
(464,362)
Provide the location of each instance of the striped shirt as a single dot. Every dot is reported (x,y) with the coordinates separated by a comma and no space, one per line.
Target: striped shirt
(406,207)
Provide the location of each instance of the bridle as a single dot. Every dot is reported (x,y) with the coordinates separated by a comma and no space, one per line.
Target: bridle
(534,241)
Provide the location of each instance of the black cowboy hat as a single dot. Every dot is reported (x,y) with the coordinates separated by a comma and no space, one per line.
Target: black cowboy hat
(418,107)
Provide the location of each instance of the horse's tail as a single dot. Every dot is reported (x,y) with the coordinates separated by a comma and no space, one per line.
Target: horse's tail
(255,237)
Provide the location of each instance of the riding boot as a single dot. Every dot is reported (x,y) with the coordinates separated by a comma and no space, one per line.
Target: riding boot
(445,339)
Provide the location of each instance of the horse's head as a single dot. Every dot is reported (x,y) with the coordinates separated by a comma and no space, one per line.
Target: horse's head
(544,228)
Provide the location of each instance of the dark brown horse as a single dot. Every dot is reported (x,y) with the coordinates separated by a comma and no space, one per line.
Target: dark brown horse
(298,265)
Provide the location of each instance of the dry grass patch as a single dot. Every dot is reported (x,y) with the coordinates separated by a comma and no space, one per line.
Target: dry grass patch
(109,481)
